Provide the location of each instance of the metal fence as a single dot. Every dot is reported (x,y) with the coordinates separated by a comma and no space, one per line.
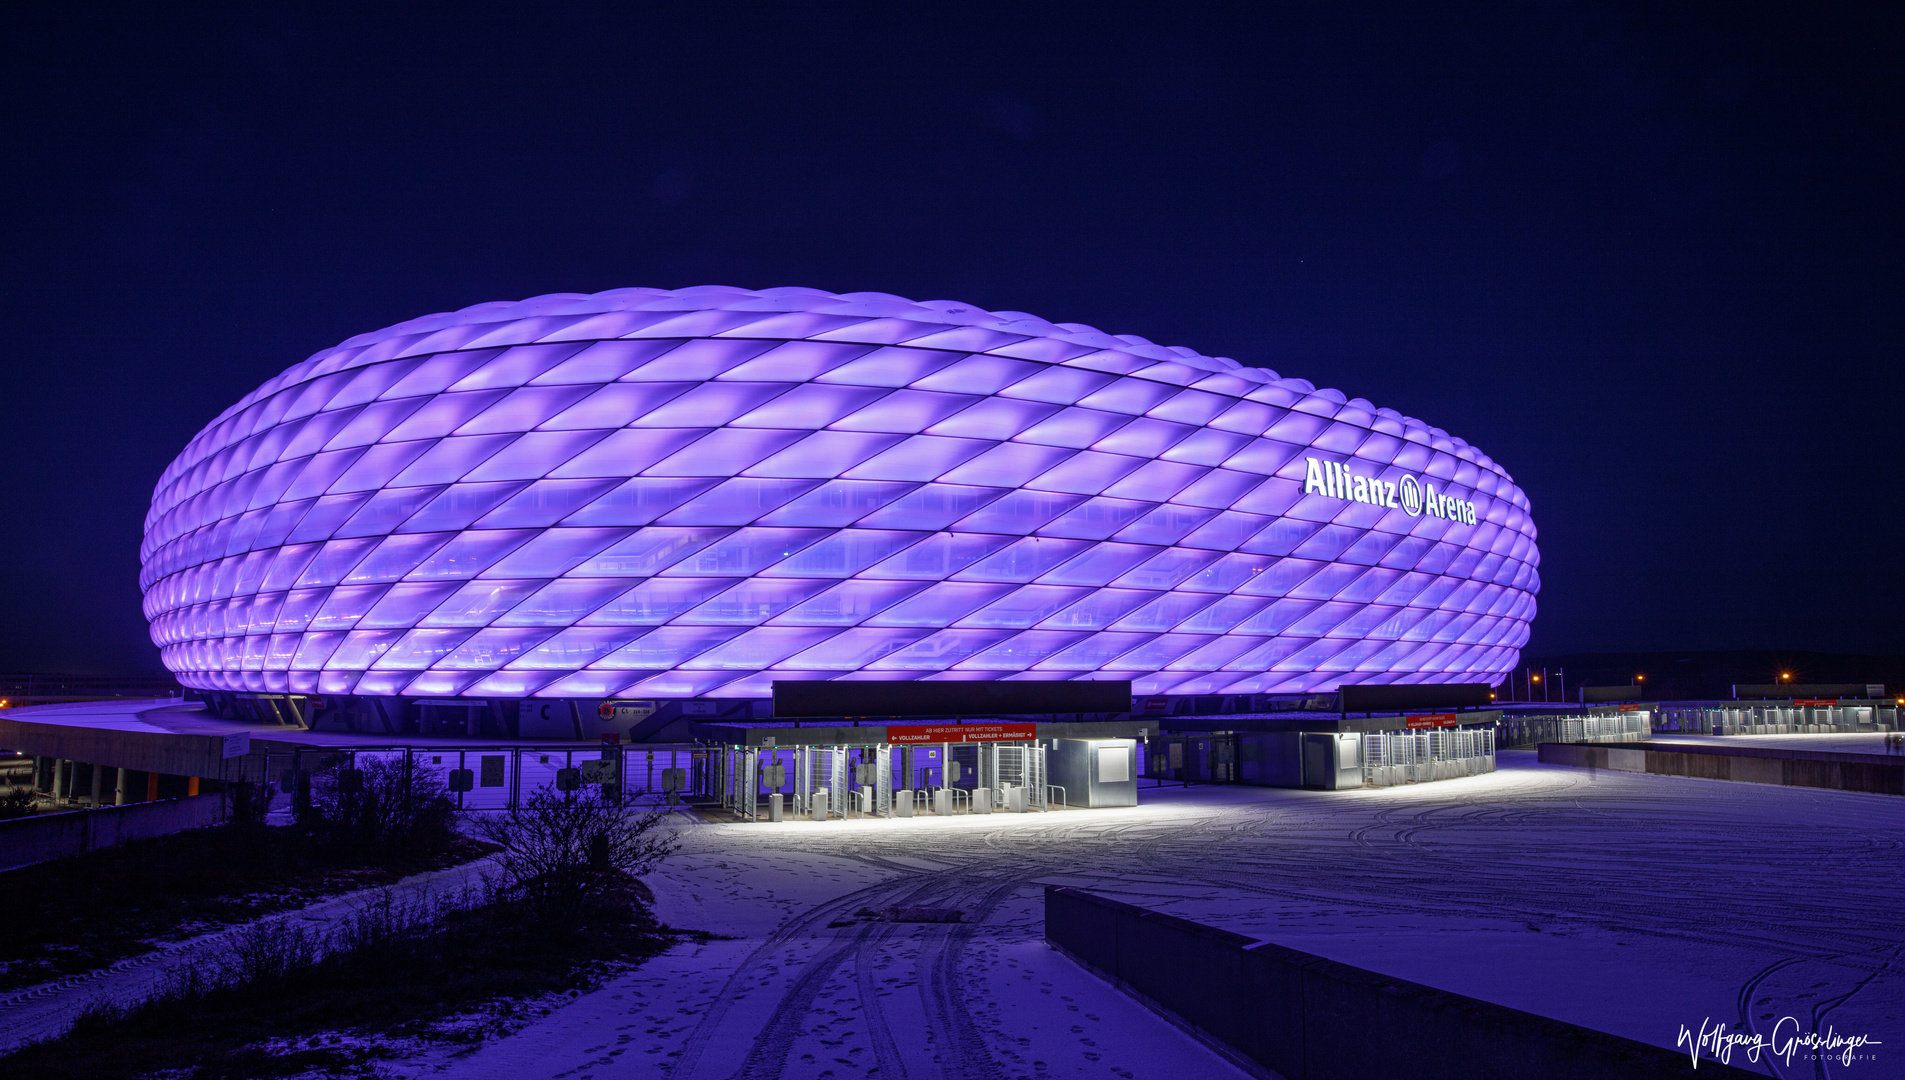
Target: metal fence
(502,777)
(875,780)
(1527,731)
(1386,758)
(1413,757)
(1780,719)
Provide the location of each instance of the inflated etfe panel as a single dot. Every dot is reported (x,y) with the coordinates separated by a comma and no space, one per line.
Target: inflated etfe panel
(694,493)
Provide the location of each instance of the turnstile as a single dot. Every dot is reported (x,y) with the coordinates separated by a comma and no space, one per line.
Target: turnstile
(854,781)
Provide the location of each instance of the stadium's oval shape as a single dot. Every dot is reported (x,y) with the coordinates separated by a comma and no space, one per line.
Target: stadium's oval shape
(668,494)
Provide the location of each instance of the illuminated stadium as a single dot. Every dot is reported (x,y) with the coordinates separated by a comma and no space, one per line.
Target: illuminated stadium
(687,495)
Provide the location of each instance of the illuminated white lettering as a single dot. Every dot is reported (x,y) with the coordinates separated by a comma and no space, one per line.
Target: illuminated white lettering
(1405,493)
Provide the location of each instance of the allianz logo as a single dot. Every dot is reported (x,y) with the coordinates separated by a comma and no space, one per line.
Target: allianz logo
(1409,495)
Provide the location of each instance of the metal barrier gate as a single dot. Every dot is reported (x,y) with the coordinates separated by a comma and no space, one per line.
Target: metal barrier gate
(1779,719)
(1526,731)
(1414,757)
(1014,776)
(502,777)
(859,781)
(820,770)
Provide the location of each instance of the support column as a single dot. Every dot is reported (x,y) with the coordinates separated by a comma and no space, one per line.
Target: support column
(119,788)
(97,777)
(152,786)
(191,785)
(59,779)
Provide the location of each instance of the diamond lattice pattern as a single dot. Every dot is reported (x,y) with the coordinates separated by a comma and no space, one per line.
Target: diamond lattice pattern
(692,493)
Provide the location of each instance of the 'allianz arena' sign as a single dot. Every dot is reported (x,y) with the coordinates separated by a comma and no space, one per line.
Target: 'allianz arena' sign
(648,495)
(1404,493)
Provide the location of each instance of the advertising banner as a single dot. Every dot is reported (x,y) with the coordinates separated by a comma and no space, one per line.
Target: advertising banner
(960,733)
(1437,720)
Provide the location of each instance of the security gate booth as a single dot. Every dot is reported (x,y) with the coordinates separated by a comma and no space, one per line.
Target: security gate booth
(775,773)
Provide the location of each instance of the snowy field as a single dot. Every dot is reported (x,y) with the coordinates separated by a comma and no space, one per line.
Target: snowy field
(1630,903)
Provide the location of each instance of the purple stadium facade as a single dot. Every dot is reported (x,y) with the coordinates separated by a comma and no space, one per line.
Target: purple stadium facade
(689,494)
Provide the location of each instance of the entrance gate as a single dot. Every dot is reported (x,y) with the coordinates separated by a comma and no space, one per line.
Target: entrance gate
(1014,775)
(854,781)
(743,781)
(820,770)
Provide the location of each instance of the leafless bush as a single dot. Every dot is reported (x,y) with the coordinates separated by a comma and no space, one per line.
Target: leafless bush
(267,951)
(17,802)
(564,854)
(383,930)
(382,801)
(390,923)
(250,802)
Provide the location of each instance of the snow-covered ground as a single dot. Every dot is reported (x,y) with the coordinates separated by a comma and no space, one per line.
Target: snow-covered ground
(1630,903)
(43,1011)
(795,995)
(1838,742)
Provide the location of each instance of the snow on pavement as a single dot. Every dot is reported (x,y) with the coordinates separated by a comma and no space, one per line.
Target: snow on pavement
(806,990)
(1834,742)
(1629,903)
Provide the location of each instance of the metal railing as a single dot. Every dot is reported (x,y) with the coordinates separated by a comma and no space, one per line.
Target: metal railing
(1530,731)
(480,778)
(1779,719)
(1414,757)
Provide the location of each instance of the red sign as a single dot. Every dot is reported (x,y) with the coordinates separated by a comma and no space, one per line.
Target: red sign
(1437,720)
(1816,701)
(960,733)
(1630,708)
(1156,704)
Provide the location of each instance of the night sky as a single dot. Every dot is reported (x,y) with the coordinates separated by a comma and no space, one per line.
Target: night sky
(1647,258)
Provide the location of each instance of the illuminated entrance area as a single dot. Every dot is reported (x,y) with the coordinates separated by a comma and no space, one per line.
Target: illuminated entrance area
(924,770)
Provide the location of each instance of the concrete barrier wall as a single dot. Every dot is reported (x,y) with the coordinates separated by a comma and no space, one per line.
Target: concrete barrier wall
(44,837)
(1874,773)
(1293,1014)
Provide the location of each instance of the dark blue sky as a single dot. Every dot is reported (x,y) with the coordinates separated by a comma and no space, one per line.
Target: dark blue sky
(1646,257)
